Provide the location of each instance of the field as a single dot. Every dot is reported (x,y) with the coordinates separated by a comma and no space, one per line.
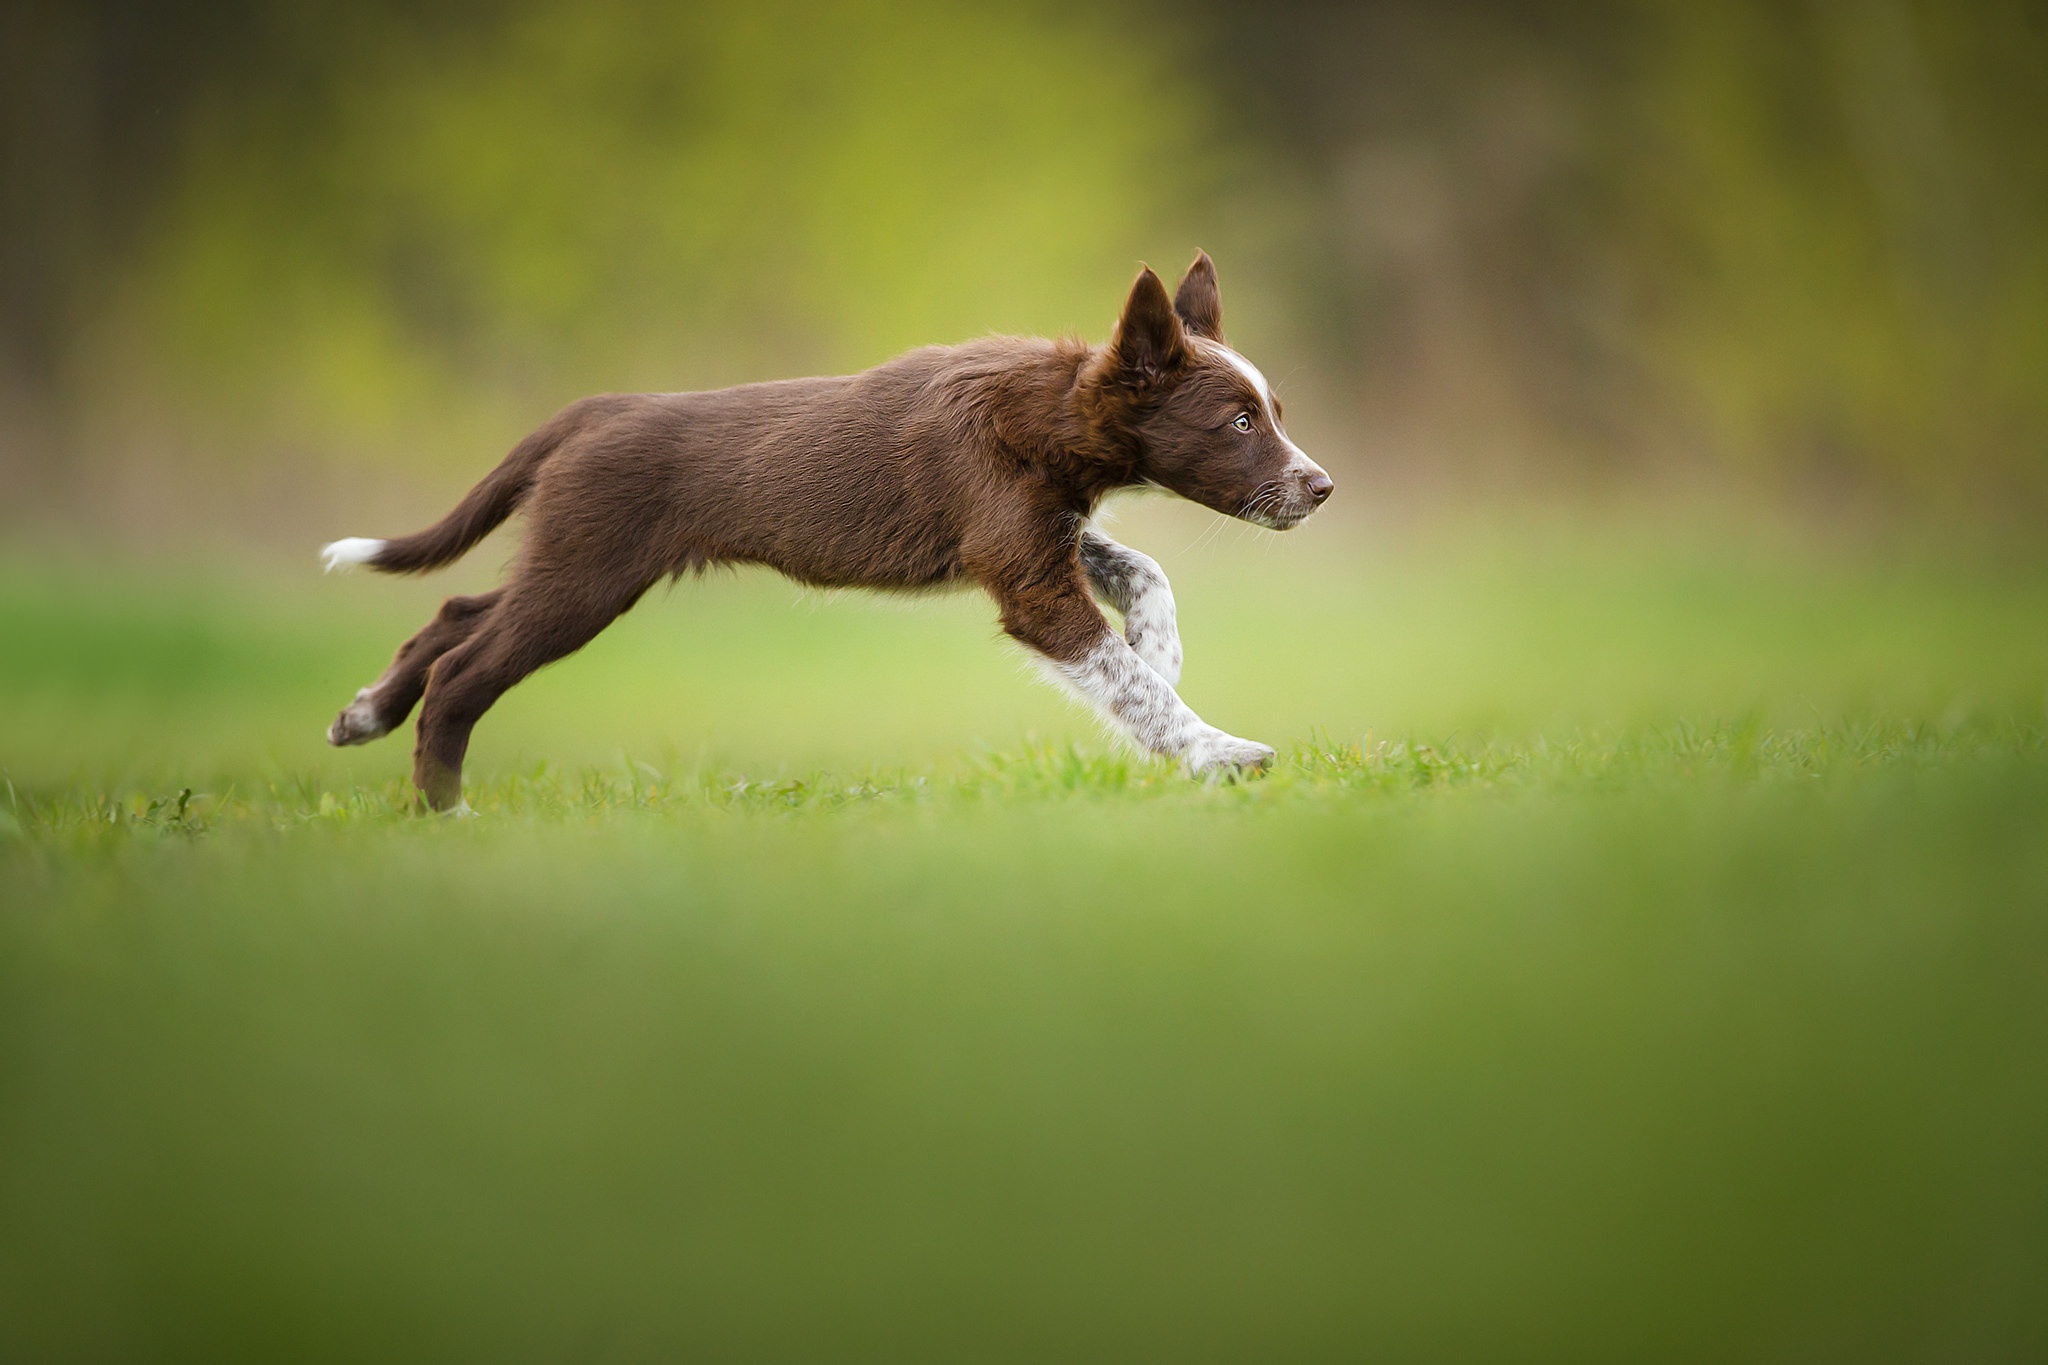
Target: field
(1639,953)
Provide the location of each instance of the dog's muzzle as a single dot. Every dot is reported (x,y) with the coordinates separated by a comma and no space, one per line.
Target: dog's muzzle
(1312,488)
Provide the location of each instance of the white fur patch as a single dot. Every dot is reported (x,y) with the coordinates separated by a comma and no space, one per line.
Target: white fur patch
(1243,367)
(1299,464)
(344,554)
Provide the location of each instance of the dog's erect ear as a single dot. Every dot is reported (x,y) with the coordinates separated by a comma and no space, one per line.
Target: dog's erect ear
(1199,305)
(1149,342)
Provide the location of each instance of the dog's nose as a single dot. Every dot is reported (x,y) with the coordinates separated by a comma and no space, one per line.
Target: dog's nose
(1319,486)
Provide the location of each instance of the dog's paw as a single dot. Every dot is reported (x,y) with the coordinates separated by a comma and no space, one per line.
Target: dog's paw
(1227,755)
(358,723)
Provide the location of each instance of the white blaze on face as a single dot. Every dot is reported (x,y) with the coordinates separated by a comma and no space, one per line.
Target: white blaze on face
(1299,462)
(1243,367)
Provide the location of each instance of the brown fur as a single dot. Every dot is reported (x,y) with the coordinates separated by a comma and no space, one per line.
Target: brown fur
(978,464)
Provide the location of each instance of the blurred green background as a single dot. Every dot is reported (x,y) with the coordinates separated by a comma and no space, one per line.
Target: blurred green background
(257,256)
(1637,952)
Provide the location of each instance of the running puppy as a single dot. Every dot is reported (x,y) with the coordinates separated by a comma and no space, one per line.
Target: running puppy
(950,465)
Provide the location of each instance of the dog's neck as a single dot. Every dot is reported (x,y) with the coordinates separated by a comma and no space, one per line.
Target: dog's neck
(1062,411)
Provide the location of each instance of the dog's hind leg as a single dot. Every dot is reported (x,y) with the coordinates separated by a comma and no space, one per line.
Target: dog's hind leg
(1136,586)
(530,627)
(383,706)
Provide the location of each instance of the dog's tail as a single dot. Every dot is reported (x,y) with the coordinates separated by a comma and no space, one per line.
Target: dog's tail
(480,512)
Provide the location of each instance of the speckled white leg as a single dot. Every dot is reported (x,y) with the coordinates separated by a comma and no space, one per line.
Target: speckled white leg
(1135,585)
(1141,702)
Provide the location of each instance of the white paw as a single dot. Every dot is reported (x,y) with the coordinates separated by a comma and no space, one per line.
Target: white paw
(1225,754)
(358,722)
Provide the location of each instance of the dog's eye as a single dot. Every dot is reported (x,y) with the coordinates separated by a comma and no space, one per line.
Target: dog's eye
(1243,421)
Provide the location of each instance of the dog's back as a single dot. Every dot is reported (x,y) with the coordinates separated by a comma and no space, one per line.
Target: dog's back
(870,480)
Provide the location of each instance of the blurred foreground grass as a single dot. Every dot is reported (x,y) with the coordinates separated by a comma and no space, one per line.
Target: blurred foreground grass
(1639,954)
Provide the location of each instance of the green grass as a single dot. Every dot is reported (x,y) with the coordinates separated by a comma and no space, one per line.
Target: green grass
(1638,953)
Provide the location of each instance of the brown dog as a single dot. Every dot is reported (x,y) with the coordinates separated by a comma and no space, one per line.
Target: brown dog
(950,465)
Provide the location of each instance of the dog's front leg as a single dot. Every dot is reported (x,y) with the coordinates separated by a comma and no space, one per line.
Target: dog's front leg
(1136,586)
(1065,627)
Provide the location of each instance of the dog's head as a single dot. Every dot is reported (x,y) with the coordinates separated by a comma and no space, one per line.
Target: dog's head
(1205,421)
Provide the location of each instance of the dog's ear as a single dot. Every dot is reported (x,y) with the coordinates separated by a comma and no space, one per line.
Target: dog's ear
(1149,343)
(1199,305)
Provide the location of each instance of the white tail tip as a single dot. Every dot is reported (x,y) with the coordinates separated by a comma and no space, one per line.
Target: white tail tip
(343,554)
